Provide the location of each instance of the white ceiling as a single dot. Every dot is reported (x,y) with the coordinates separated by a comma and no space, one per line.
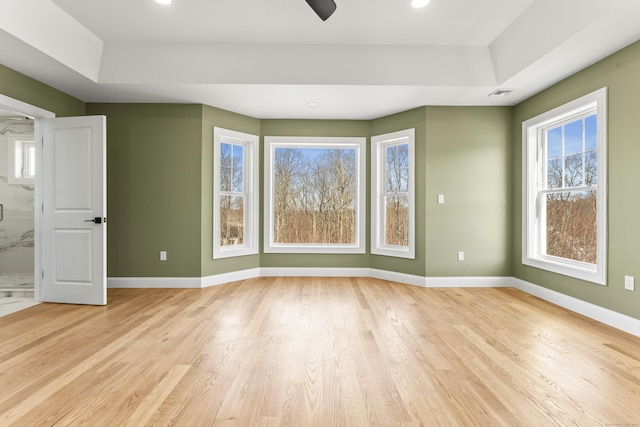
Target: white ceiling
(392,22)
(268,58)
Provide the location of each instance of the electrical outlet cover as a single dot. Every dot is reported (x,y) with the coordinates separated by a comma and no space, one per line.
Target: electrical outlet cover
(629,283)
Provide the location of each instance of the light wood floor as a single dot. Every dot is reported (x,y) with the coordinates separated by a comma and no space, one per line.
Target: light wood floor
(315,352)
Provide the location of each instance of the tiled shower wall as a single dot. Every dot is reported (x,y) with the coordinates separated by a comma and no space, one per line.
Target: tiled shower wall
(16,229)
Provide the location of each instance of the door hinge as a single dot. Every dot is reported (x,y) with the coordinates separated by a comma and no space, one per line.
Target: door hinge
(42,274)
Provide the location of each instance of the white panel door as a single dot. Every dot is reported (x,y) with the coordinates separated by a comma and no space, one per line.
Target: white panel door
(74,210)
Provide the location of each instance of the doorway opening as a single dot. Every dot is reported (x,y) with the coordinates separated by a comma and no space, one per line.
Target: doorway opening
(20,192)
(17,218)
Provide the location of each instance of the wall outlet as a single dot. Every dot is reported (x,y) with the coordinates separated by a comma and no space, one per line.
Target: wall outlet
(460,256)
(163,255)
(441,199)
(629,283)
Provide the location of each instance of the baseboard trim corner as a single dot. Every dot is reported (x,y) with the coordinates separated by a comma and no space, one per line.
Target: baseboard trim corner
(394,276)
(234,276)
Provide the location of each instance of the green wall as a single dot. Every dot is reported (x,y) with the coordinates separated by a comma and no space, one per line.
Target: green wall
(620,73)
(26,89)
(160,174)
(215,117)
(153,188)
(468,159)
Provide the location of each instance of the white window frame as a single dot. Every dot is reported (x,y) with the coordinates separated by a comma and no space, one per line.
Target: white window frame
(357,143)
(378,213)
(250,191)
(533,177)
(21,151)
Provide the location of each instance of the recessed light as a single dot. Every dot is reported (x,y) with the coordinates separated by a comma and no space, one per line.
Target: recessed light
(312,104)
(419,3)
(165,2)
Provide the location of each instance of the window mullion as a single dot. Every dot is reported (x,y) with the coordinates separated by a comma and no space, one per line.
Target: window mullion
(569,189)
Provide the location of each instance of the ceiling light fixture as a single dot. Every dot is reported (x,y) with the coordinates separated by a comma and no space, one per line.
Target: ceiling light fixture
(313,104)
(419,3)
(323,8)
(165,2)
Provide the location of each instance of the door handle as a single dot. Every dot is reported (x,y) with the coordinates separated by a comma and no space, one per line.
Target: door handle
(96,220)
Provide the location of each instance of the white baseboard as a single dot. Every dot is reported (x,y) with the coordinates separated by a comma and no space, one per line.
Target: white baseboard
(154,282)
(608,317)
(393,276)
(218,279)
(313,272)
(469,282)
(234,276)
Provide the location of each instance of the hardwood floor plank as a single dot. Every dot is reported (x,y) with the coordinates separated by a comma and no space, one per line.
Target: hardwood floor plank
(154,399)
(290,351)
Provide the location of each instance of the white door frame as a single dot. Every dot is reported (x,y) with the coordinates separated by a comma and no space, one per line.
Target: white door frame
(36,113)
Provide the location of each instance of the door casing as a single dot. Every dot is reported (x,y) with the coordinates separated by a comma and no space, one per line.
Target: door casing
(36,113)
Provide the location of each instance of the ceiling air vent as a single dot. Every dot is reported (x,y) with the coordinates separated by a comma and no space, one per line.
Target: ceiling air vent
(501,92)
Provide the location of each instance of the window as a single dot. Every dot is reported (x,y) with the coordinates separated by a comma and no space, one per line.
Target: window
(564,189)
(314,195)
(235,193)
(392,175)
(22,160)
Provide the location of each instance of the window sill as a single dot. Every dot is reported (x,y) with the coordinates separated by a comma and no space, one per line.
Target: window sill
(314,249)
(577,270)
(230,253)
(396,253)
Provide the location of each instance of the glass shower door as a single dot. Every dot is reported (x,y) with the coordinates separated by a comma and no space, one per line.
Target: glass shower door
(17,173)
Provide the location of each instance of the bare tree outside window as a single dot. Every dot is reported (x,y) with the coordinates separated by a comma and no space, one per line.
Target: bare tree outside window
(397,195)
(572,174)
(232,203)
(314,195)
